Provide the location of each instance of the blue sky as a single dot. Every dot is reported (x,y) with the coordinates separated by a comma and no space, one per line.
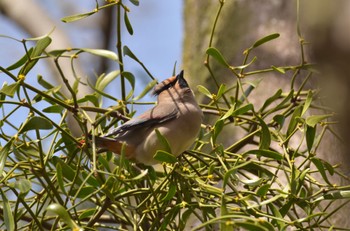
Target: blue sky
(157,41)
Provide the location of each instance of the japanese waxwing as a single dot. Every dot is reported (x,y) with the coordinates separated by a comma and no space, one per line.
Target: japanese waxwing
(176,115)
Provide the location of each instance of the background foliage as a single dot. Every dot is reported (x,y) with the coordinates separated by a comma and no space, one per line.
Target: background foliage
(269,179)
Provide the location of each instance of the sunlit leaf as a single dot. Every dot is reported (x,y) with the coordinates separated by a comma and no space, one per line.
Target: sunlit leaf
(131,78)
(315,119)
(221,90)
(265,39)
(11,89)
(39,48)
(233,171)
(307,102)
(103,53)
(64,215)
(215,53)
(148,88)
(104,80)
(165,157)
(219,124)
(204,91)
(341,194)
(293,120)
(279,69)
(163,141)
(243,110)
(24,186)
(77,17)
(262,190)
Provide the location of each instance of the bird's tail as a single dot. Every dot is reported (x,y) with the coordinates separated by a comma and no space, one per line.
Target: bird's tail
(113,145)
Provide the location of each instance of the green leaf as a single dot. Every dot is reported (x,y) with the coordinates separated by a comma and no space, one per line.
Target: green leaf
(205,91)
(24,186)
(271,100)
(243,110)
(149,87)
(67,171)
(228,113)
(280,224)
(265,39)
(293,120)
(39,48)
(77,17)
(165,157)
(266,153)
(4,152)
(262,191)
(279,119)
(36,122)
(103,81)
(57,53)
(44,83)
(87,213)
(233,171)
(238,111)
(284,101)
(60,178)
(99,92)
(246,65)
(103,53)
(278,69)
(342,194)
(310,137)
(7,213)
(307,102)
(93,98)
(321,169)
(170,193)
(315,119)
(163,141)
(219,124)
(211,51)
(221,91)
(135,2)
(130,77)
(128,24)
(53,109)
(63,214)
(129,53)
(84,191)
(11,89)
(251,182)
(265,137)
(20,62)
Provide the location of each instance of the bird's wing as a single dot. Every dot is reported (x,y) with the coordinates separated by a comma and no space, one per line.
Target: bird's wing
(151,117)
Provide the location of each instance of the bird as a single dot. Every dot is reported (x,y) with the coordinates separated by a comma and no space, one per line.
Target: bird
(177,116)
